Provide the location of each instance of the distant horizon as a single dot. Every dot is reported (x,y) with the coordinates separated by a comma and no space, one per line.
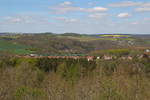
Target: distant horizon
(78,16)
(73,33)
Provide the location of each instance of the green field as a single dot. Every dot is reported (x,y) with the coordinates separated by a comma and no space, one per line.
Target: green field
(12,47)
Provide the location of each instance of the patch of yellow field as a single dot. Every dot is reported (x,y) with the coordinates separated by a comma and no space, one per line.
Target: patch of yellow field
(115,35)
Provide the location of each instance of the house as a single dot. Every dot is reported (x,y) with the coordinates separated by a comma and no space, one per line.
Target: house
(33,55)
(98,58)
(147,51)
(90,58)
(123,58)
(129,58)
(107,57)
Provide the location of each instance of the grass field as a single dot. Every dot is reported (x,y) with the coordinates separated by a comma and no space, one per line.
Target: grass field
(7,46)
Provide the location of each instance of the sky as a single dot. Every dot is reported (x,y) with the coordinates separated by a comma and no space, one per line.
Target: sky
(77,16)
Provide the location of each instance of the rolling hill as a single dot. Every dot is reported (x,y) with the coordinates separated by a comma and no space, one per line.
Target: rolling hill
(68,43)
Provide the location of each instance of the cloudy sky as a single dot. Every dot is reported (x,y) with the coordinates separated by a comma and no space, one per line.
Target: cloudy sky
(81,16)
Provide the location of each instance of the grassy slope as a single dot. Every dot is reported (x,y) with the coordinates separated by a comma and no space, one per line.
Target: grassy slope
(13,47)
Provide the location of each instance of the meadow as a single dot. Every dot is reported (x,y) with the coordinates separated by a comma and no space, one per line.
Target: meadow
(13,47)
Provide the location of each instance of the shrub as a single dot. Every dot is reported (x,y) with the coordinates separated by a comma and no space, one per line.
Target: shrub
(47,64)
(24,93)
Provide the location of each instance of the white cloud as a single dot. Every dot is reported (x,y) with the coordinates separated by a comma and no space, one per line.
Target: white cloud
(94,9)
(64,8)
(66,3)
(130,4)
(18,19)
(97,15)
(125,4)
(100,9)
(145,4)
(134,23)
(69,7)
(68,20)
(123,15)
(144,9)
(73,20)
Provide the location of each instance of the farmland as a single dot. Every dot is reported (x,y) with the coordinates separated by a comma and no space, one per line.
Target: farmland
(13,47)
(68,43)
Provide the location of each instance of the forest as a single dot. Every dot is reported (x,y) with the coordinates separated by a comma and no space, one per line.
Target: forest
(70,79)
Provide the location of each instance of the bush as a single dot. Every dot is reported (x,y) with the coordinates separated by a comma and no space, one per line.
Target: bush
(24,93)
(47,64)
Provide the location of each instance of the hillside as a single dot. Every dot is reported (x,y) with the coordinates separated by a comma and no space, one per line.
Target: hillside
(68,43)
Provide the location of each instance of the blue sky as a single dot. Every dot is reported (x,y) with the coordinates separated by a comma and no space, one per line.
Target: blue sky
(80,16)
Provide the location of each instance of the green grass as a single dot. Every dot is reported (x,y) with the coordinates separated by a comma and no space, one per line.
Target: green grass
(115,52)
(13,47)
(10,36)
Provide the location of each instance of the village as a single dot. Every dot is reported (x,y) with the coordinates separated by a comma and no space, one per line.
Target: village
(145,55)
